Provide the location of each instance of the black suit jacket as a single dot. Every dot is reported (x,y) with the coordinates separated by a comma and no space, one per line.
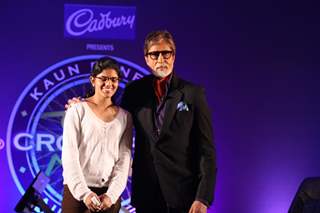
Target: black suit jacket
(181,160)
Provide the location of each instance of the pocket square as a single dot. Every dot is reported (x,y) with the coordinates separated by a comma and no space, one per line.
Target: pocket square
(182,106)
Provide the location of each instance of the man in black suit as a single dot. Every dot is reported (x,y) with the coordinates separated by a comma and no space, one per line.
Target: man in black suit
(174,166)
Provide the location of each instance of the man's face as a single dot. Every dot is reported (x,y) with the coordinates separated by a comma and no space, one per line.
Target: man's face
(160,59)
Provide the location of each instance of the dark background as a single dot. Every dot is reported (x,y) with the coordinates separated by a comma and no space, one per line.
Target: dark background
(258,61)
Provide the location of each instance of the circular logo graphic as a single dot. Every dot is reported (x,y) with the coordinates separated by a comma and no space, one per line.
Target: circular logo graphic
(34,135)
(1,143)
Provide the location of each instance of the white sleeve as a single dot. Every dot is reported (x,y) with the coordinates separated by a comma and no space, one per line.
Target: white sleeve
(120,171)
(72,172)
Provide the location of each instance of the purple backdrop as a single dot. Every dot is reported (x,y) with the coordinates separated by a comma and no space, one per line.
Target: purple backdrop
(259,63)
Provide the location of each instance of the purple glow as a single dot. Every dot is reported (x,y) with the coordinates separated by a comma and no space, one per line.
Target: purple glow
(256,60)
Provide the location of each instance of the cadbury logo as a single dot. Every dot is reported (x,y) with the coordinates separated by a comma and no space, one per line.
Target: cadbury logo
(84,21)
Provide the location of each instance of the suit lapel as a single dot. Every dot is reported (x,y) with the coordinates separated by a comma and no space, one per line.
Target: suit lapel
(174,96)
(145,113)
(145,116)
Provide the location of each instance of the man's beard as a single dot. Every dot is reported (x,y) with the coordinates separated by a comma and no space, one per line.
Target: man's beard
(161,73)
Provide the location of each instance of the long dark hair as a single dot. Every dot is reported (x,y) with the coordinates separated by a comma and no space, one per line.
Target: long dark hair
(100,65)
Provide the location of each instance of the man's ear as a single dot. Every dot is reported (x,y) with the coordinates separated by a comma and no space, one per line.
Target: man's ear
(146,59)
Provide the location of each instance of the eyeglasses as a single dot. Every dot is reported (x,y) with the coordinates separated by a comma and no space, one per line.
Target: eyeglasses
(112,79)
(166,54)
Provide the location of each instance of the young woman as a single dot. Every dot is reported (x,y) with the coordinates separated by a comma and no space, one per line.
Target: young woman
(96,151)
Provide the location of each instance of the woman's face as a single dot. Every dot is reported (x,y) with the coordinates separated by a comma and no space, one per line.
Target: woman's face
(106,83)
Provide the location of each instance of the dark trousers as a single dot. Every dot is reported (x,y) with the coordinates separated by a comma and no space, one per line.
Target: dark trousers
(71,205)
(163,209)
(158,205)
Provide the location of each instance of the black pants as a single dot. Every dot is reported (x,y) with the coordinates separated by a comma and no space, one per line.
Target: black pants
(71,205)
(159,205)
(163,209)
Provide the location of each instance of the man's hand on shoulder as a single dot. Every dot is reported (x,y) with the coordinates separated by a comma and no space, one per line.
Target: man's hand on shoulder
(72,101)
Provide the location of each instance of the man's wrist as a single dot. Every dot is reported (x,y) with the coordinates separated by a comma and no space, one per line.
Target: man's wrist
(206,203)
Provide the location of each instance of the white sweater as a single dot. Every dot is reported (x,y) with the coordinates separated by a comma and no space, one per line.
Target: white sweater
(96,153)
